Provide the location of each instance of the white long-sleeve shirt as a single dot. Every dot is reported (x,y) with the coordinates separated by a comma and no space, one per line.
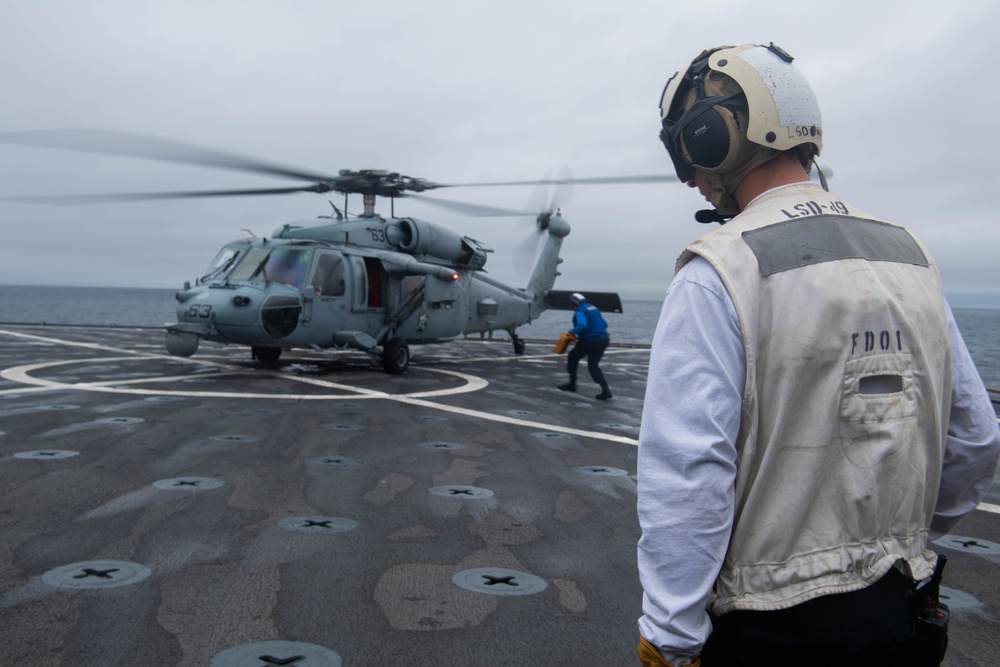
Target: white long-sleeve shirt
(687,454)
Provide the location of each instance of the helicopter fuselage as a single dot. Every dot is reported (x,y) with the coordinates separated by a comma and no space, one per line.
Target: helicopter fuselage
(357,284)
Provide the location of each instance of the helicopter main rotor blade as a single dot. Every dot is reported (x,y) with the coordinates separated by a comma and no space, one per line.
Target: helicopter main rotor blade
(367,181)
(126,144)
(648,178)
(83,200)
(469,209)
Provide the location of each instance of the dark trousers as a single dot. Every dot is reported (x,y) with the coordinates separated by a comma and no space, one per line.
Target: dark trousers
(871,627)
(593,350)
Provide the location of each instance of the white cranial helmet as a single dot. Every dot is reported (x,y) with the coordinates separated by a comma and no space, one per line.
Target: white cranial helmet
(735,107)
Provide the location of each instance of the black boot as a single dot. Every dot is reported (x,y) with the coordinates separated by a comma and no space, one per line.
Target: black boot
(605,393)
(569,386)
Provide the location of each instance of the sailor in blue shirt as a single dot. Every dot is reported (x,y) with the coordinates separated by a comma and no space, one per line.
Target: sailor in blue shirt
(591,331)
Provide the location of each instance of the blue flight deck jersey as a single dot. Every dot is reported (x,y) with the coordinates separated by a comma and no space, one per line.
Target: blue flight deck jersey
(588,323)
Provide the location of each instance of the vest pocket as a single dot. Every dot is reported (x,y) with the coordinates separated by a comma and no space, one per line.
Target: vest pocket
(878,388)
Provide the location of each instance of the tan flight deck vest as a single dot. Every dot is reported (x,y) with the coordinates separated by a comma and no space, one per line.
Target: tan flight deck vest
(846,401)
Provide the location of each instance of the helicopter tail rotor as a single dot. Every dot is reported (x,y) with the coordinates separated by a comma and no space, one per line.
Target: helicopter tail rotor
(548,196)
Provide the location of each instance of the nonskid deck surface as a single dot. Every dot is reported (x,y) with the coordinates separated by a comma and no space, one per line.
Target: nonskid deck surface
(213,511)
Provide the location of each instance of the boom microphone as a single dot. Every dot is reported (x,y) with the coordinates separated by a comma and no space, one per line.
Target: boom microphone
(707,215)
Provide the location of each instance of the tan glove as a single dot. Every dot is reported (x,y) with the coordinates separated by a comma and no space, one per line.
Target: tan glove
(650,657)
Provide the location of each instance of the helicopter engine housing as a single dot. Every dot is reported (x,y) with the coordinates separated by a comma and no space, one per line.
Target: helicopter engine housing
(418,237)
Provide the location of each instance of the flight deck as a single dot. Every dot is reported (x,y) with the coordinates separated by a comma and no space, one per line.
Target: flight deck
(319,512)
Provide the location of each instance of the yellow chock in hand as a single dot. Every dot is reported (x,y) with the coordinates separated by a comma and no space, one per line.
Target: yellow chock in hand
(563,343)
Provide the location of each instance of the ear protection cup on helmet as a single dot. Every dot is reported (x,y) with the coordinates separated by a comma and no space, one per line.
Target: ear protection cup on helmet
(706,139)
(704,136)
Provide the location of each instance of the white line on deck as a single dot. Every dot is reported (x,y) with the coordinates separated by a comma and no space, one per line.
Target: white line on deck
(22,375)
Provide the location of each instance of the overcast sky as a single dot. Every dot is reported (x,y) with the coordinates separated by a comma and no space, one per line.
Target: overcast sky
(466,91)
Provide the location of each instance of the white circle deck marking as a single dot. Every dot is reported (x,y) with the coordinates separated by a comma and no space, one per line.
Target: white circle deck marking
(22,375)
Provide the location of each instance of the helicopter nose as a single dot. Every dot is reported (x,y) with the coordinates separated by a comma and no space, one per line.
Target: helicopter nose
(234,315)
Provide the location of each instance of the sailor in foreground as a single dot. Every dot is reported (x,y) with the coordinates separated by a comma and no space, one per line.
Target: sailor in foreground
(812,416)
(590,330)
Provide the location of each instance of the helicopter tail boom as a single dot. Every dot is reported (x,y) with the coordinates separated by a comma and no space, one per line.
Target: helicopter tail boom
(543,277)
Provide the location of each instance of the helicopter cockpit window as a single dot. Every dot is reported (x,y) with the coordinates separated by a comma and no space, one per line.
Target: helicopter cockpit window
(286,265)
(249,264)
(222,264)
(328,275)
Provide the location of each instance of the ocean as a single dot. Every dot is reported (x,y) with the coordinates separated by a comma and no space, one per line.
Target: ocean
(124,307)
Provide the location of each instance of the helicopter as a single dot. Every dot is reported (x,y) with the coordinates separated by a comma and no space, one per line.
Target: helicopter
(364,282)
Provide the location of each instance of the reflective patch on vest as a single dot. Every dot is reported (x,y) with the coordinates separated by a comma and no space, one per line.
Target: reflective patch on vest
(826,238)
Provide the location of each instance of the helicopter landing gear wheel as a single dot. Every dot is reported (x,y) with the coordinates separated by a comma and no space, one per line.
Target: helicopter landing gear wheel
(395,356)
(266,355)
(518,344)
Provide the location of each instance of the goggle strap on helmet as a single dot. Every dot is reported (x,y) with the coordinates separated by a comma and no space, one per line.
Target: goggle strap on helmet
(684,171)
(697,70)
